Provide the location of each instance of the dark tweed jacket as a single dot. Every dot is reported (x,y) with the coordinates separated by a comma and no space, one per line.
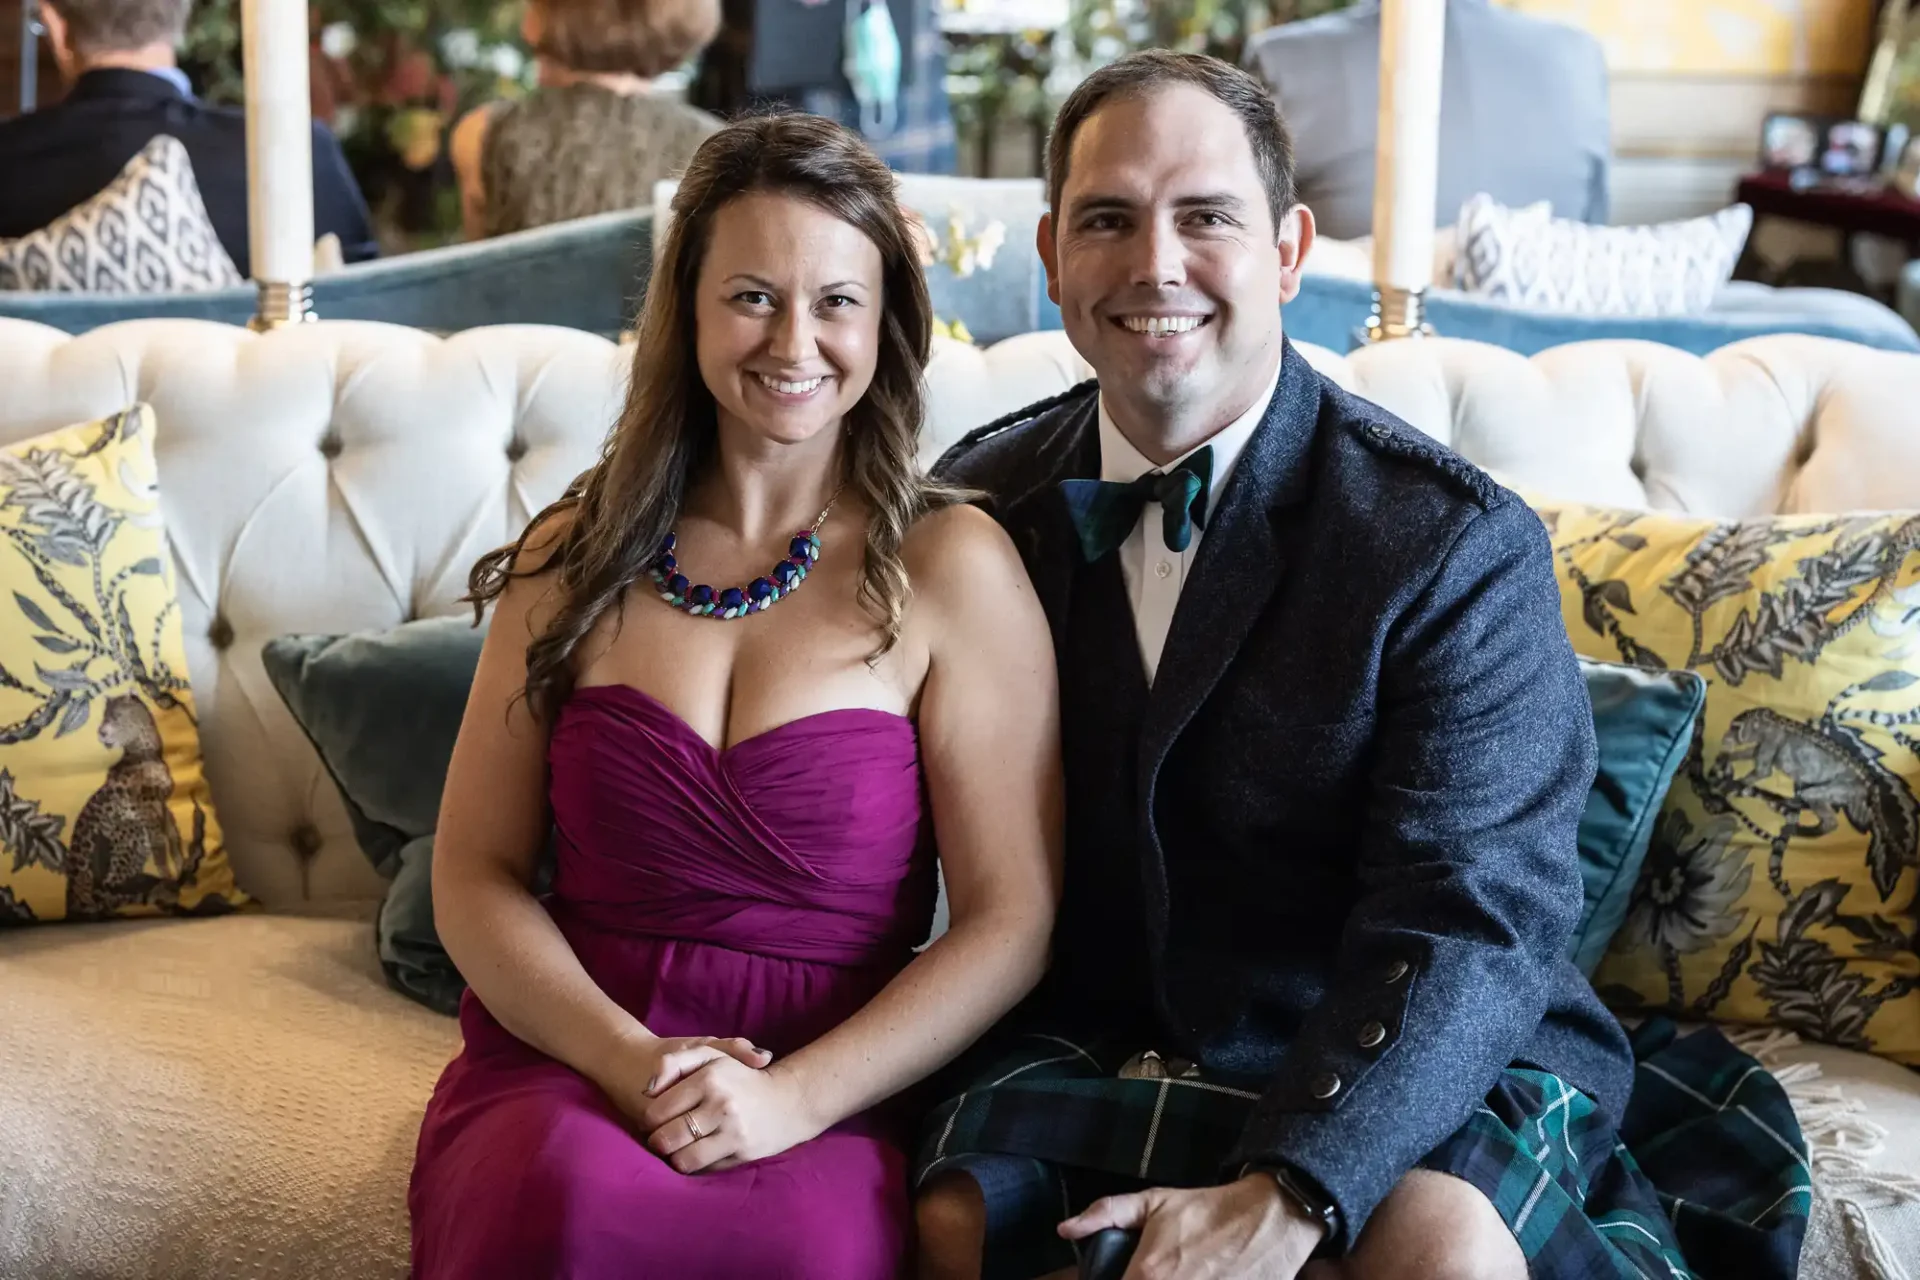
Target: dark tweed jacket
(1355,789)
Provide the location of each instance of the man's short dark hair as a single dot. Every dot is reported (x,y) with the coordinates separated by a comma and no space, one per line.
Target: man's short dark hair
(1150,70)
(116,26)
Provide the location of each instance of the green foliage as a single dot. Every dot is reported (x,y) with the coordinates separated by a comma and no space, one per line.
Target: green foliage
(390,77)
(1024,75)
(1104,29)
(211,51)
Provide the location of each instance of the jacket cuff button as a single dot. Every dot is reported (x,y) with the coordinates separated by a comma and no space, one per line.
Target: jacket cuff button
(1372,1035)
(1324,1086)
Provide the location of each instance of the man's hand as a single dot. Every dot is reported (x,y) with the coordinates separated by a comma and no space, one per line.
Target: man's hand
(1246,1230)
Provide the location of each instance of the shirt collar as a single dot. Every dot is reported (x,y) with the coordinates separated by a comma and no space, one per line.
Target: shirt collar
(1121,463)
(175,77)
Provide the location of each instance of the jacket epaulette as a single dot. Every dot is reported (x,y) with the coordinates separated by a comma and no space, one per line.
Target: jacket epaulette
(1007,422)
(1397,440)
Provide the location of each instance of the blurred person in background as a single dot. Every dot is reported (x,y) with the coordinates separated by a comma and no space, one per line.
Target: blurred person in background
(878,66)
(596,135)
(125,88)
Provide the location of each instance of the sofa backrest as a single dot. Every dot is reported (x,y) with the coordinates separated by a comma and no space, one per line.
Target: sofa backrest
(1332,310)
(344,475)
(588,274)
(591,273)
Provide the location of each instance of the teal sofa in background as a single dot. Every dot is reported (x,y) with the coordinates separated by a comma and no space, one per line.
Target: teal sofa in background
(591,273)
(1332,311)
(586,274)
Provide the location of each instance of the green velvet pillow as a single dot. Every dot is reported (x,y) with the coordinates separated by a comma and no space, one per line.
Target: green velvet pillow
(1644,721)
(383,710)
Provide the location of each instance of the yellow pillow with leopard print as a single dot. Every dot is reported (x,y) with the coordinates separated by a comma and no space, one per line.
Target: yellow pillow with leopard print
(1780,886)
(104,809)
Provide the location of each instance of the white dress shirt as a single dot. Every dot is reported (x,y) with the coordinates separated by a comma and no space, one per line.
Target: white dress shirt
(1155,574)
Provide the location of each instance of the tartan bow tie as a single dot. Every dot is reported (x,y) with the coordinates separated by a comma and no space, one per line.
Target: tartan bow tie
(1105,511)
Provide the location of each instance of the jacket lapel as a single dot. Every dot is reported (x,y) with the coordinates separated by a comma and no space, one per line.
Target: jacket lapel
(1038,520)
(1241,563)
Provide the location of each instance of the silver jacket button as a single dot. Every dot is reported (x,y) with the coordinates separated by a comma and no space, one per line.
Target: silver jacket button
(1395,971)
(1325,1086)
(1372,1035)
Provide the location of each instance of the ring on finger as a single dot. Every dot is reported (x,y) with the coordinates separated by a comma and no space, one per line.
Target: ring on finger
(693,1126)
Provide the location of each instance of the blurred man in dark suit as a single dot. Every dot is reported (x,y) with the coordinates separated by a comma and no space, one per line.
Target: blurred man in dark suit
(117,56)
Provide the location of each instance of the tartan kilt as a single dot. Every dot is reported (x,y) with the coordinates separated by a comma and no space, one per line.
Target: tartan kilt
(1046,1126)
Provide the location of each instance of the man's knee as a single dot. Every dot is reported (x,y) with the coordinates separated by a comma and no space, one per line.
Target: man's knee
(950,1226)
(1435,1227)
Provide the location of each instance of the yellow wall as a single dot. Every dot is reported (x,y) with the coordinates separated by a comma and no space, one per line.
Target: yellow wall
(1722,37)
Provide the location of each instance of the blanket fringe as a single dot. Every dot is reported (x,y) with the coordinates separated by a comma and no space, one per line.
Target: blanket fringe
(1840,1142)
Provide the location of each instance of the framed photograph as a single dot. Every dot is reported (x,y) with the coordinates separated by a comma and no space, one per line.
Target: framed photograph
(1851,149)
(1791,141)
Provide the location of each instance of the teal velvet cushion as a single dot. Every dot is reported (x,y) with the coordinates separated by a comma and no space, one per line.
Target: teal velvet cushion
(1644,723)
(383,710)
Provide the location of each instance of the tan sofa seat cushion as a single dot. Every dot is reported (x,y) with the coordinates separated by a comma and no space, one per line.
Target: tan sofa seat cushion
(208,1098)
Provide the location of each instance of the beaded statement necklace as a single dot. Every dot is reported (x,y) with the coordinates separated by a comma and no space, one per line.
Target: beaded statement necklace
(736,602)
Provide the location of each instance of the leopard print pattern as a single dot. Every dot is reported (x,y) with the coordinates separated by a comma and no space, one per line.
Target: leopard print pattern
(126,826)
(578,150)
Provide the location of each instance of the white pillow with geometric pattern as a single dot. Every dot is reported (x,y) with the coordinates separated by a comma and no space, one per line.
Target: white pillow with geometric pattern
(1529,258)
(148,232)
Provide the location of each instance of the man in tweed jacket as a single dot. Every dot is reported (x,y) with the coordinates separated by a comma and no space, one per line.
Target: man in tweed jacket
(1326,745)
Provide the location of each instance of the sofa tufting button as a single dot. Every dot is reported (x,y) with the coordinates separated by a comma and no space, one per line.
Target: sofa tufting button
(1324,1086)
(331,445)
(220,632)
(305,840)
(1372,1035)
(516,449)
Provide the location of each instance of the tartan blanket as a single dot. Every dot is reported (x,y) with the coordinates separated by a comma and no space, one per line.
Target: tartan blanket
(1714,1132)
(1046,1126)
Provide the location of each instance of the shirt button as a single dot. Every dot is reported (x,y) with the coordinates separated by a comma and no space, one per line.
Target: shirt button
(1371,1035)
(1325,1086)
(1395,971)
(1163,570)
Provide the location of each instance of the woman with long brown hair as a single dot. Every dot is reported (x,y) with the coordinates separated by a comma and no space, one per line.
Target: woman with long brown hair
(746,741)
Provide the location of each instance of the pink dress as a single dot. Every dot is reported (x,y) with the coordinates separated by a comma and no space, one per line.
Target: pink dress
(768,890)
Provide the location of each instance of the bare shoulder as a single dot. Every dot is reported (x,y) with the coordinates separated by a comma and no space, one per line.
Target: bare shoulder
(958,556)
(543,538)
(528,587)
(463,145)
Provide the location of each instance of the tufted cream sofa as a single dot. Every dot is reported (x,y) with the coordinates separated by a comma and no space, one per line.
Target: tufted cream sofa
(238,1097)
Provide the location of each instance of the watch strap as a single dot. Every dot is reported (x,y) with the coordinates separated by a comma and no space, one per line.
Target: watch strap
(1311,1200)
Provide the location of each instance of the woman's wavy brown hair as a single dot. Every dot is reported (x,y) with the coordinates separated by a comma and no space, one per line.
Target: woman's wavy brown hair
(666,436)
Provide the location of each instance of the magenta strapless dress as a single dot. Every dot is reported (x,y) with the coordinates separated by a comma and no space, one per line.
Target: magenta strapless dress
(767,891)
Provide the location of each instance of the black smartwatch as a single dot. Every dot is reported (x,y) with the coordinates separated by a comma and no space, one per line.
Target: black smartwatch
(1311,1200)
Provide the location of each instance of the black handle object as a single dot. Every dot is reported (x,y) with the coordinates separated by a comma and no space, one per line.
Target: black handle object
(1104,1254)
